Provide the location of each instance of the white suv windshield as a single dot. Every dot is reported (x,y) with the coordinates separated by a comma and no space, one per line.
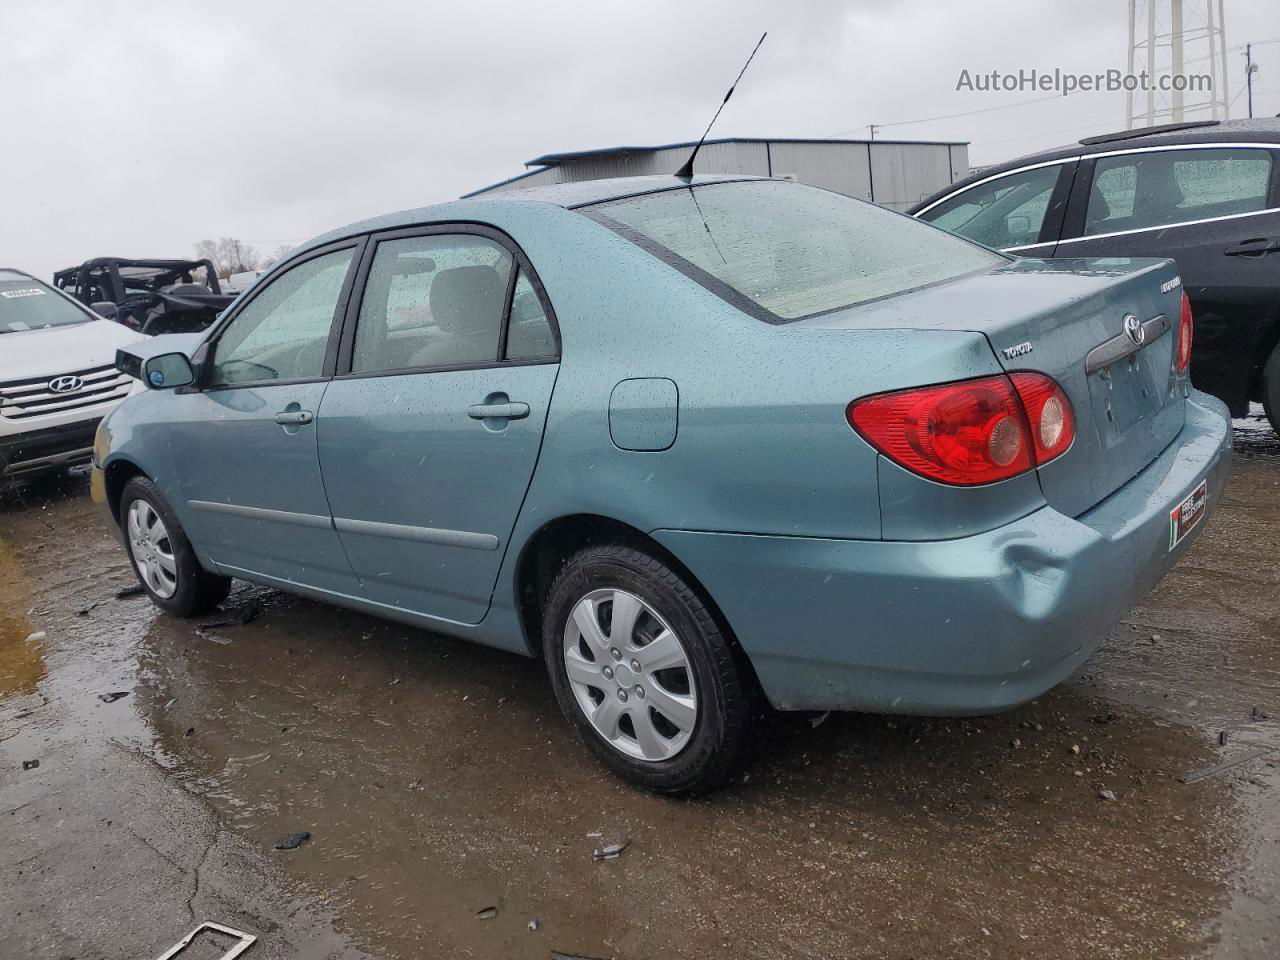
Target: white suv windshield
(28,304)
(788,251)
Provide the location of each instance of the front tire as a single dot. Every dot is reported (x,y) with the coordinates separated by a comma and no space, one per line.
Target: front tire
(1271,389)
(161,554)
(644,673)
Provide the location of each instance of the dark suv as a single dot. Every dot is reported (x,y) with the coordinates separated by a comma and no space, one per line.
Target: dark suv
(1205,194)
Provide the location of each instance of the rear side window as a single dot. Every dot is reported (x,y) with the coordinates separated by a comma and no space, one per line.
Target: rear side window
(1006,212)
(782,251)
(529,335)
(434,300)
(1139,190)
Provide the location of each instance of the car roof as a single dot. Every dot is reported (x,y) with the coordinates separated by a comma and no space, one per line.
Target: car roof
(579,193)
(1257,130)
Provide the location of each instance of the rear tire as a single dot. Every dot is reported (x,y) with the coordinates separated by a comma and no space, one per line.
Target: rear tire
(161,555)
(1271,389)
(661,695)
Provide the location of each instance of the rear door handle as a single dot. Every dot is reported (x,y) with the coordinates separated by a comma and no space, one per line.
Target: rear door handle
(1258,247)
(498,411)
(294,417)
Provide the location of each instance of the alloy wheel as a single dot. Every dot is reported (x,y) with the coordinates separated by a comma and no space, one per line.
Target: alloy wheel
(630,675)
(151,549)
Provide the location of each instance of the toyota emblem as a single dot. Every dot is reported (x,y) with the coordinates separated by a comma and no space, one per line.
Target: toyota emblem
(67,384)
(1134,330)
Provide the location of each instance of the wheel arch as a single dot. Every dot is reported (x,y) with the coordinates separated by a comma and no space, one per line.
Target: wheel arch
(115,475)
(1267,345)
(544,554)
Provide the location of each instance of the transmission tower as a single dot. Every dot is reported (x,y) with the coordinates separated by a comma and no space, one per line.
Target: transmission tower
(1172,38)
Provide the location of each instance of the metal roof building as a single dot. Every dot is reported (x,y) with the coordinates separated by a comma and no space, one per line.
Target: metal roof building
(895,173)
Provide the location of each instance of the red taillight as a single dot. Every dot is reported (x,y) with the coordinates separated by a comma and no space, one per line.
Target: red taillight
(1048,412)
(972,432)
(1186,329)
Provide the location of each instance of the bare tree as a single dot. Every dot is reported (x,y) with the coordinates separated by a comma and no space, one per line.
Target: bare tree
(280,252)
(229,256)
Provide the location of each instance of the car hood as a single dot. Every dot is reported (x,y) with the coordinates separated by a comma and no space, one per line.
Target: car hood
(81,346)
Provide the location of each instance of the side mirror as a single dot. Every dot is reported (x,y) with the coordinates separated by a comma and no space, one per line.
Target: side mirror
(167,371)
(105,308)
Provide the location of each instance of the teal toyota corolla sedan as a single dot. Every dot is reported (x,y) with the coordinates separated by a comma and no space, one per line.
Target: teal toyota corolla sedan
(700,445)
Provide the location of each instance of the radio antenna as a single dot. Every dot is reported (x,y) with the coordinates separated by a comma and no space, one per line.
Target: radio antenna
(686,172)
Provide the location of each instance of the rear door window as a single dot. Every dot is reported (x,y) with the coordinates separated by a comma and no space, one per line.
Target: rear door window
(1006,212)
(432,301)
(1137,191)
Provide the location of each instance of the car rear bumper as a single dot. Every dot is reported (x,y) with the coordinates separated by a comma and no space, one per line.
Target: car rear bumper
(28,454)
(967,626)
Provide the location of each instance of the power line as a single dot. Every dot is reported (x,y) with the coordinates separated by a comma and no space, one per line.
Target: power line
(951,116)
(1033,136)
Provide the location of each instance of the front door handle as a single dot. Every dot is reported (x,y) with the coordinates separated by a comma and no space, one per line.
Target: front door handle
(293,418)
(498,411)
(1258,247)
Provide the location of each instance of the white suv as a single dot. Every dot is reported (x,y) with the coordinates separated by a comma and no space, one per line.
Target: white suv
(57,376)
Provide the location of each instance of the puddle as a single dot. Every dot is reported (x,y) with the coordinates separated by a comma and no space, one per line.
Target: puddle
(438,779)
(21,648)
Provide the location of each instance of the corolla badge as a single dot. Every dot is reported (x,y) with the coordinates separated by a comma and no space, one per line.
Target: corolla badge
(67,384)
(1134,330)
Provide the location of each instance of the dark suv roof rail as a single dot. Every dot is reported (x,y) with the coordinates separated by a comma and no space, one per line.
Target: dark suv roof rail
(1148,131)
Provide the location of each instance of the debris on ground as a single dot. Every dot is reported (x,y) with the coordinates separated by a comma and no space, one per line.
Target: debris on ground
(1259,714)
(113,696)
(1217,768)
(190,731)
(132,591)
(247,940)
(1106,795)
(36,637)
(610,851)
(30,764)
(291,841)
(535,923)
(234,618)
(488,913)
(84,611)
(1222,739)
(557,955)
(819,720)
(1075,748)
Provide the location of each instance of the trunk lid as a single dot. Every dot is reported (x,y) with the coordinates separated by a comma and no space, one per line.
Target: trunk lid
(1066,318)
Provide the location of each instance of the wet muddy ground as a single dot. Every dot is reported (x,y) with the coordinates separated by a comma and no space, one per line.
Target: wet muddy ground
(437,780)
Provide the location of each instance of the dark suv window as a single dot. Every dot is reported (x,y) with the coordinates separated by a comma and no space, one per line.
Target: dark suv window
(1006,212)
(782,251)
(1139,190)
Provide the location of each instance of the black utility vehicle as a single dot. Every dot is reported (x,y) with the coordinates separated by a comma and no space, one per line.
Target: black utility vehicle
(151,296)
(1206,194)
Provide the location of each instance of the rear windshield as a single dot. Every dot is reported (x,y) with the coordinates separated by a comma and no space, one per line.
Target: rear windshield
(28,304)
(783,251)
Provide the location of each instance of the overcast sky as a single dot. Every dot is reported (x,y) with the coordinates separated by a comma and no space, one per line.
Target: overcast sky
(136,129)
